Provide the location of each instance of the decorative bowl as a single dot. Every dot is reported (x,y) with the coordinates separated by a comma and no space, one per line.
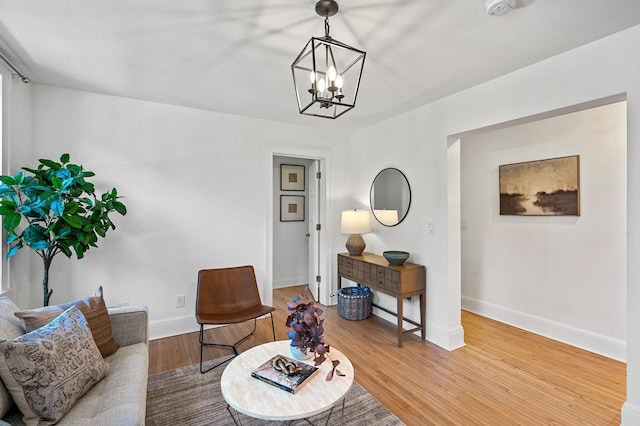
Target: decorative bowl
(395,257)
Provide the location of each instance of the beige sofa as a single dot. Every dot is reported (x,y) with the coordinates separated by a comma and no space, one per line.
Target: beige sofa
(120,397)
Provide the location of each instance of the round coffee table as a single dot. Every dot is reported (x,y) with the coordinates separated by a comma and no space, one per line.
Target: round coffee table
(254,398)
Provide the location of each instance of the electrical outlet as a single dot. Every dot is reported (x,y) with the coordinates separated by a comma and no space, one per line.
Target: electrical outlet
(180,301)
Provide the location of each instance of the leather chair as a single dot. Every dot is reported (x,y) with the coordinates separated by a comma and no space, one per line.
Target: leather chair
(228,296)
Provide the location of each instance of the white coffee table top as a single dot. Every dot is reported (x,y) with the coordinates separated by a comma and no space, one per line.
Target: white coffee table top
(257,399)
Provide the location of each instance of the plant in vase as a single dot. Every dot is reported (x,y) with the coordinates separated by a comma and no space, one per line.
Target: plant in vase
(307,335)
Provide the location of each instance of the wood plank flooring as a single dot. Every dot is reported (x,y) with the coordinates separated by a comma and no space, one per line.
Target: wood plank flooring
(503,376)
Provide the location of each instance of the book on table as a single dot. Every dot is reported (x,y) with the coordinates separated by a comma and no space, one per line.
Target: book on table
(289,383)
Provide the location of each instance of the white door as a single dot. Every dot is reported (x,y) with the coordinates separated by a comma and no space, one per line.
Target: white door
(315,229)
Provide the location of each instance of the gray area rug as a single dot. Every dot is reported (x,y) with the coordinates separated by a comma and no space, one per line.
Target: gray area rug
(187,398)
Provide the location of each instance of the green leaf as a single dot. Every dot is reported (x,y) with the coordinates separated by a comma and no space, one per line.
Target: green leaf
(74,221)
(64,158)
(120,208)
(7,180)
(7,207)
(51,164)
(19,177)
(65,249)
(11,221)
(71,208)
(87,173)
(57,182)
(79,249)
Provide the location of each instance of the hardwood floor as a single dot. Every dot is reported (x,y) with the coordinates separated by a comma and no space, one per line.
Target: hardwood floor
(503,376)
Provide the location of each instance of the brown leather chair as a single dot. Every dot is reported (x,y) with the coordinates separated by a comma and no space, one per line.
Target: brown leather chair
(228,296)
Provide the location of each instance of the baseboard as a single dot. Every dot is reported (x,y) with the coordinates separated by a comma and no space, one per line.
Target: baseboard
(449,339)
(290,282)
(630,414)
(584,339)
(177,325)
(172,327)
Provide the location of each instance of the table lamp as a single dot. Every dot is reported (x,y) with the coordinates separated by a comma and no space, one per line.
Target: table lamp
(355,222)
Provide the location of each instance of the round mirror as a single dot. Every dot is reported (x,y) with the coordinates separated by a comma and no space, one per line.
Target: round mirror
(390,197)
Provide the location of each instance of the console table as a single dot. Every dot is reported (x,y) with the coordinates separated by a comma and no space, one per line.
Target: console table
(401,282)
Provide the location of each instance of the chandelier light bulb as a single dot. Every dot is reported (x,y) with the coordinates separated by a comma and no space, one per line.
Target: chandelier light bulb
(339,81)
(332,73)
(321,85)
(312,77)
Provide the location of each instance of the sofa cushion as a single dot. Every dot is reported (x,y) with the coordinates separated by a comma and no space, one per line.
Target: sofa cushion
(121,397)
(94,310)
(10,328)
(49,369)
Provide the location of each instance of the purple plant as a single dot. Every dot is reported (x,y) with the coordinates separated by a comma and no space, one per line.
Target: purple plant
(308,332)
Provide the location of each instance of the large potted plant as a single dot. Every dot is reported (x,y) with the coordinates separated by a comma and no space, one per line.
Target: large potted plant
(54,209)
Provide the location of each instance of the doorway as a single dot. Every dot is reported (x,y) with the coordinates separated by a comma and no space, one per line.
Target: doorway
(297,249)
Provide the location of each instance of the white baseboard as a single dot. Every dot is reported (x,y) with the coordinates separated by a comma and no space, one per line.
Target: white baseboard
(177,325)
(584,339)
(446,339)
(630,414)
(290,282)
(172,327)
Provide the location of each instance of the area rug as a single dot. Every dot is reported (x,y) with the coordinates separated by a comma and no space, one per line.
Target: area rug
(187,398)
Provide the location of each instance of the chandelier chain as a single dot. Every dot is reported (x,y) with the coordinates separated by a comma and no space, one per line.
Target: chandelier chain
(326,27)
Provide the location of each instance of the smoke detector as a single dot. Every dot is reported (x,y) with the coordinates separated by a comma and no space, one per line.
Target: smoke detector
(499,7)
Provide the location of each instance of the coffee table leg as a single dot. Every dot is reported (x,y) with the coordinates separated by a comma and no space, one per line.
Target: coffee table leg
(237,415)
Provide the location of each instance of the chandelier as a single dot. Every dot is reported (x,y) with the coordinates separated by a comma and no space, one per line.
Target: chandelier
(326,74)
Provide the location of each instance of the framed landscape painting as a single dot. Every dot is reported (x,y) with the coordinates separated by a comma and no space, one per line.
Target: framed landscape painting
(291,208)
(541,188)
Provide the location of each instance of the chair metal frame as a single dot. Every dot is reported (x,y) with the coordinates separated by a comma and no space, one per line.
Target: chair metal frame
(233,346)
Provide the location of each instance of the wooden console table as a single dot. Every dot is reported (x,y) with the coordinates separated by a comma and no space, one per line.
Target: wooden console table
(401,282)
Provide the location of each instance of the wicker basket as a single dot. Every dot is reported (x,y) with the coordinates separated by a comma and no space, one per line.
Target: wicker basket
(354,303)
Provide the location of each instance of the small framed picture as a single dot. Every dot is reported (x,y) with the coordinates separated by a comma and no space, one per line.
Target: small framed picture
(291,208)
(291,177)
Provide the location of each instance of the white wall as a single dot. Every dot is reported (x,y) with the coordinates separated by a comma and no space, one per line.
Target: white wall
(290,244)
(423,143)
(194,184)
(562,277)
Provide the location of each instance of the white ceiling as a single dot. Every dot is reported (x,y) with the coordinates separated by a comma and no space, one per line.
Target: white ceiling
(234,56)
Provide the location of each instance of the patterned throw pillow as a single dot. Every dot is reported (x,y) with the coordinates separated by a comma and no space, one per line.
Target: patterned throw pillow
(94,310)
(49,369)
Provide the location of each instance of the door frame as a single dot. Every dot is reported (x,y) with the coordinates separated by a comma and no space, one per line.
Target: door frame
(323,157)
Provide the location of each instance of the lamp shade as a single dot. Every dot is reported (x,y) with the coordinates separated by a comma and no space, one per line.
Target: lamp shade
(355,222)
(386,217)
